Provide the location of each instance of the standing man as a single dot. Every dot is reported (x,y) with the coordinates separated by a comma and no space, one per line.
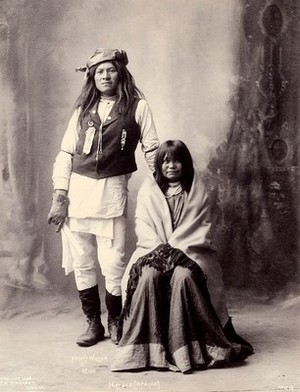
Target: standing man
(90,178)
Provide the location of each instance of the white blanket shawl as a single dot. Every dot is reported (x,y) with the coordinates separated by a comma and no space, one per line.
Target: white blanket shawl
(153,225)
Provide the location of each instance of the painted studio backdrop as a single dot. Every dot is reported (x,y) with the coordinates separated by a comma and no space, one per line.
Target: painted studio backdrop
(220,75)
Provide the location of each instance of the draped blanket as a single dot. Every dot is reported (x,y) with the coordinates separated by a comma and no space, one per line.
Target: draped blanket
(192,235)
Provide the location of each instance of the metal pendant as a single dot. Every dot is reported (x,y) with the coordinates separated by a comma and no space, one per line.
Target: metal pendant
(123,139)
(89,136)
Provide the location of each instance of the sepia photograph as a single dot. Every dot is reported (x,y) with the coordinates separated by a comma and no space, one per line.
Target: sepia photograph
(149,193)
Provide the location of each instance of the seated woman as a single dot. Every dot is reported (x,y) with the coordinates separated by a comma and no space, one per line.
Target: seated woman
(174,314)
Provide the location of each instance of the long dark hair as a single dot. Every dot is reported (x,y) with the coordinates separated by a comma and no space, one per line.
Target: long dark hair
(126,91)
(174,149)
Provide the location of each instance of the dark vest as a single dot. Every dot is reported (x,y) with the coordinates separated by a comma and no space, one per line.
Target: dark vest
(107,149)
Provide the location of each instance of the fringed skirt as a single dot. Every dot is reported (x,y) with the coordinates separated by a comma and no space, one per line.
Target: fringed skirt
(168,321)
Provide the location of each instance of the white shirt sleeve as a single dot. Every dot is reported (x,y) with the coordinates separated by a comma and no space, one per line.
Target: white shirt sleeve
(63,163)
(149,138)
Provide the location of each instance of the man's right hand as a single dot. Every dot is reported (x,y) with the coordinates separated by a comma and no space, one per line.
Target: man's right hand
(59,210)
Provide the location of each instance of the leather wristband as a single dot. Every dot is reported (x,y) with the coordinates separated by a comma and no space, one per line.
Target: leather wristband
(60,199)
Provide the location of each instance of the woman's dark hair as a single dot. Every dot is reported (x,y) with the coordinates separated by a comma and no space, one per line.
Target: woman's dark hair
(174,149)
(126,90)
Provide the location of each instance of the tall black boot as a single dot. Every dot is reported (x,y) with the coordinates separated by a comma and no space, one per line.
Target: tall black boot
(91,306)
(233,337)
(114,308)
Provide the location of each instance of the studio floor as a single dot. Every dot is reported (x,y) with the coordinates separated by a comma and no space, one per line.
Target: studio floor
(38,350)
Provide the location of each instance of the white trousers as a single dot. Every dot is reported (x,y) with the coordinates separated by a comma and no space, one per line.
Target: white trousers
(108,253)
